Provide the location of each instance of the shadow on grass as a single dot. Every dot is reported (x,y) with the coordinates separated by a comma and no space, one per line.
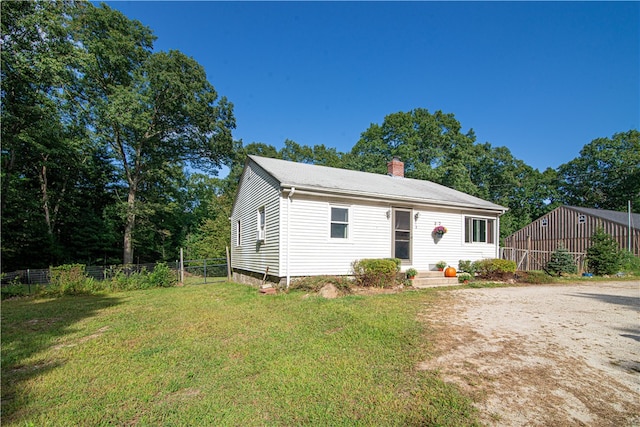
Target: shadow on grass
(32,326)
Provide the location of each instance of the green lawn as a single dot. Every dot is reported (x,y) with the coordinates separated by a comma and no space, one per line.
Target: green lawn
(221,354)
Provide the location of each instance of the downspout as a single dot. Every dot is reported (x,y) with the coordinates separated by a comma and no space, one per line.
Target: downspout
(291,192)
(496,236)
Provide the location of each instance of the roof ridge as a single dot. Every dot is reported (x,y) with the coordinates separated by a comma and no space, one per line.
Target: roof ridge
(368,184)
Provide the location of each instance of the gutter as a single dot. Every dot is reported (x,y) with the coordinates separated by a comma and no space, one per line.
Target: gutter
(361,195)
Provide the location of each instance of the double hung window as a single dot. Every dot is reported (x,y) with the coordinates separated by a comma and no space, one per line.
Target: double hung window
(339,228)
(479,230)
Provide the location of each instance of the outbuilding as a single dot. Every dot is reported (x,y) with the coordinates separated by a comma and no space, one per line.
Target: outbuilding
(570,227)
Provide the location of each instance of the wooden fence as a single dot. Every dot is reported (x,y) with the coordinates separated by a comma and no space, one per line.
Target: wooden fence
(527,259)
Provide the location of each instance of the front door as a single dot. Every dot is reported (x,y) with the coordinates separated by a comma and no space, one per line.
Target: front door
(401,239)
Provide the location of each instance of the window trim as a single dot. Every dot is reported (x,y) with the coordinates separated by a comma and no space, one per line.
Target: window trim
(261,224)
(489,228)
(410,230)
(348,223)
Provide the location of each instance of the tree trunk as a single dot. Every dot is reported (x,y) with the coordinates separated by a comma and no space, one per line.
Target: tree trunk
(45,197)
(127,257)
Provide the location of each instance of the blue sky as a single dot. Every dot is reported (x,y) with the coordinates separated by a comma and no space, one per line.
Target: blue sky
(542,79)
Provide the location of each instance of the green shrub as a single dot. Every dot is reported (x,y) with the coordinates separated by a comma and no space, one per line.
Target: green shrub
(494,266)
(14,289)
(67,279)
(534,277)
(412,272)
(162,276)
(462,277)
(630,263)
(376,272)
(396,261)
(121,281)
(466,266)
(604,255)
(561,261)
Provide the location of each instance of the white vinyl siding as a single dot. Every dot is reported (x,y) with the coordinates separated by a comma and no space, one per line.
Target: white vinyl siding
(371,236)
(257,192)
(261,224)
(428,249)
(314,252)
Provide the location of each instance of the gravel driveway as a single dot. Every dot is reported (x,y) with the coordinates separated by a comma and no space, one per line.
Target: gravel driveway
(543,355)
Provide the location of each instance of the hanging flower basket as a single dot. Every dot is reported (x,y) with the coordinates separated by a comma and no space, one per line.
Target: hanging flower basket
(440,230)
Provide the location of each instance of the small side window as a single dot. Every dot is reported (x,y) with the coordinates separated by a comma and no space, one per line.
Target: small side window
(262,224)
(238,240)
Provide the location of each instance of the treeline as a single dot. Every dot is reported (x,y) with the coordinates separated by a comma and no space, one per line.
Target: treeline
(101,136)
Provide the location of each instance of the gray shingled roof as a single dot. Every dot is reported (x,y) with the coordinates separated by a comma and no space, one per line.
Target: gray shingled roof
(613,216)
(365,184)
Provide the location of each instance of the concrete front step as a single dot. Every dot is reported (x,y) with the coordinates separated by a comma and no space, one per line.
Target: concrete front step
(430,274)
(429,279)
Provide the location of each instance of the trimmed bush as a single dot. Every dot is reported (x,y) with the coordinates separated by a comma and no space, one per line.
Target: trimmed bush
(534,277)
(561,261)
(495,268)
(376,272)
(603,256)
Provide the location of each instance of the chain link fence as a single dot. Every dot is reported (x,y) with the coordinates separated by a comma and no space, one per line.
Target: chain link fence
(196,271)
(205,270)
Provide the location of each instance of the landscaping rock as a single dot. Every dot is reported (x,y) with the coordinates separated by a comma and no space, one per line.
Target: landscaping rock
(329,291)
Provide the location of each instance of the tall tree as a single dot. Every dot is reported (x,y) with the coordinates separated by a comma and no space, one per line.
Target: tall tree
(431,146)
(47,161)
(606,175)
(148,109)
(434,148)
(316,155)
(501,178)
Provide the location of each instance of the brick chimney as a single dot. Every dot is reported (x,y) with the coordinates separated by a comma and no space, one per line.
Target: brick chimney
(395,167)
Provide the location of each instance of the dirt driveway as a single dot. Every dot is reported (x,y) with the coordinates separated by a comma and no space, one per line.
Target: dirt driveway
(543,355)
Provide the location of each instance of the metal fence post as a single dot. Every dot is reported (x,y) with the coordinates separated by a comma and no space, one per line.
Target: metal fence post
(181,267)
(205,271)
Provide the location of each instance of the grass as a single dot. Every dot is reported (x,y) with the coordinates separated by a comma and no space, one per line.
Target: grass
(221,354)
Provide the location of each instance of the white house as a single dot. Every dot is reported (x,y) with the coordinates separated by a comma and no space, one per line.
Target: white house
(294,219)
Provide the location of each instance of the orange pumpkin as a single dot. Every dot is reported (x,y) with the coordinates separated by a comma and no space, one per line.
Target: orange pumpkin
(449,272)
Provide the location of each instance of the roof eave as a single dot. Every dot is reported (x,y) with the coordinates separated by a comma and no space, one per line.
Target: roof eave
(392,198)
